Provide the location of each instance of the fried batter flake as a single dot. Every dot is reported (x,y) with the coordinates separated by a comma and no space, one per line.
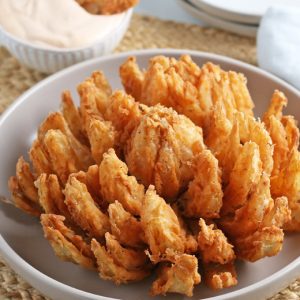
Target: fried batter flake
(102,137)
(204,195)
(20,200)
(166,143)
(213,244)
(62,157)
(125,227)
(161,226)
(191,244)
(71,114)
(84,210)
(117,185)
(243,179)
(94,95)
(262,243)
(51,197)
(218,276)
(128,258)
(26,180)
(285,180)
(179,276)
(40,158)
(110,270)
(181,84)
(66,244)
(56,121)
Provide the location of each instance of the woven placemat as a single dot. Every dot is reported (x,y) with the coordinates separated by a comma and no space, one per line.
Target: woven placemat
(144,32)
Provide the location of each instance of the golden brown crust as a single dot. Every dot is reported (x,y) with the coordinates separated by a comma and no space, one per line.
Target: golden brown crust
(40,158)
(65,243)
(213,244)
(72,117)
(26,180)
(186,87)
(84,210)
(172,142)
(110,270)
(179,276)
(125,227)
(285,180)
(56,121)
(161,226)
(130,259)
(20,200)
(62,157)
(218,276)
(204,195)
(243,179)
(117,185)
(102,136)
(51,197)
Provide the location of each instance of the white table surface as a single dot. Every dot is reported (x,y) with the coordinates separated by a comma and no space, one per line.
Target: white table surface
(166,9)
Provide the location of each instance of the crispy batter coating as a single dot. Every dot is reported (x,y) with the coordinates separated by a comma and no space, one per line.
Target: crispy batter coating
(66,244)
(57,121)
(255,131)
(287,183)
(178,277)
(218,276)
(102,136)
(62,156)
(244,177)
(26,180)
(132,78)
(161,226)
(213,245)
(189,89)
(72,117)
(50,195)
(84,210)
(258,214)
(110,270)
(125,114)
(166,143)
(159,138)
(249,217)
(91,179)
(245,187)
(262,243)
(20,200)
(40,158)
(204,195)
(223,139)
(285,180)
(107,7)
(94,97)
(117,185)
(125,227)
(128,258)
(191,244)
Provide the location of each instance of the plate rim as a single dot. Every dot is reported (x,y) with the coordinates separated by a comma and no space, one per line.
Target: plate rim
(237,28)
(233,16)
(20,265)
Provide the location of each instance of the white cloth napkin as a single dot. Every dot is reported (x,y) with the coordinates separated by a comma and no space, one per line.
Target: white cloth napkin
(278,43)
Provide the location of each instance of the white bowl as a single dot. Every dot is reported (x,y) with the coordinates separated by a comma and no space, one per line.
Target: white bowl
(50,60)
(21,241)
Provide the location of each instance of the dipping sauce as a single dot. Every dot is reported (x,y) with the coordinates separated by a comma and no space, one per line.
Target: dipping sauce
(55,23)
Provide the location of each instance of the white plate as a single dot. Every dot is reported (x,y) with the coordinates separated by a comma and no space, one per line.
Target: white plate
(249,12)
(242,29)
(21,241)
